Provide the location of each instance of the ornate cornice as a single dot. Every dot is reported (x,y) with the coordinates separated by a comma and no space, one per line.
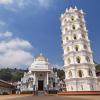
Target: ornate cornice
(83,52)
(78,65)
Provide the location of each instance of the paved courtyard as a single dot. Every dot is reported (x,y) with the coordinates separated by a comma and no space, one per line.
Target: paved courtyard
(49,97)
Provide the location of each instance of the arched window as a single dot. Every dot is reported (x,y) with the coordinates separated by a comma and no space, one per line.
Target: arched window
(78,59)
(80,73)
(85,46)
(73,27)
(81,26)
(68,49)
(65,21)
(83,35)
(74,37)
(76,48)
(80,16)
(67,38)
(90,72)
(72,18)
(87,59)
(69,61)
(66,29)
(70,74)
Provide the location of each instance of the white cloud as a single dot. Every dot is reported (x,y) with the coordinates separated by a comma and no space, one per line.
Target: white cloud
(15,52)
(13,58)
(44,3)
(14,44)
(14,4)
(2,23)
(5,34)
(6,2)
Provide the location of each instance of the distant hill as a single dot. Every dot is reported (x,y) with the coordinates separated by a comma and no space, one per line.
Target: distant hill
(11,75)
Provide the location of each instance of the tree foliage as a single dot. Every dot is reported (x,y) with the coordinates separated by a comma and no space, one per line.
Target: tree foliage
(98,68)
(12,75)
(60,73)
(5,74)
(17,76)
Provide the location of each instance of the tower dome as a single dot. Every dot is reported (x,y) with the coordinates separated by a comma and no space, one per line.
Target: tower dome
(40,57)
(40,63)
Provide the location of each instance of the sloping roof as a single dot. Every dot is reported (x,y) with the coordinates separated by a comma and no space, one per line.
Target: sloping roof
(6,84)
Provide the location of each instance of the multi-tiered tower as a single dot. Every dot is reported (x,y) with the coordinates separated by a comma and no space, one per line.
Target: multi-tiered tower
(78,60)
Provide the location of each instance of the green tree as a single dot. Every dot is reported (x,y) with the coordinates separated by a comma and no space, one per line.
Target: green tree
(60,73)
(17,76)
(98,68)
(5,74)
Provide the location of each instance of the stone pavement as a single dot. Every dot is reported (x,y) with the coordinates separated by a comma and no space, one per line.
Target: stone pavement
(49,97)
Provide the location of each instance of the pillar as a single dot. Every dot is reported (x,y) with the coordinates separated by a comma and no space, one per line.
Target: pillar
(34,86)
(34,78)
(47,83)
(47,78)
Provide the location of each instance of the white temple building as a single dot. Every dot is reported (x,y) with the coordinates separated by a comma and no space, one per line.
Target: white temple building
(78,60)
(40,76)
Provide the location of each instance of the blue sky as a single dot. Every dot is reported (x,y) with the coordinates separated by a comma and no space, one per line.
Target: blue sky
(29,27)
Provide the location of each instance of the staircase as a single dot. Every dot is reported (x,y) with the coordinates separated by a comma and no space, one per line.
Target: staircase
(40,93)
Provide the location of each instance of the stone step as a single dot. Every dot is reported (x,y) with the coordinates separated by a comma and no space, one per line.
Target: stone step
(40,93)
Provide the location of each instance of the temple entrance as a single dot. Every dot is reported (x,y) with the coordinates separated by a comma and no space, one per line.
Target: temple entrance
(40,85)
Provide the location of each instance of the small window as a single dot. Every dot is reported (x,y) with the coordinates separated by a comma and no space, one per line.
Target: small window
(73,27)
(66,29)
(78,59)
(83,36)
(75,37)
(76,48)
(68,49)
(70,74)
(65,21)
(90,72)
(87,59)
(85,46)
(81,26)
(80,73)
(72,18)
(69,61)
(80,17)
(67,38)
